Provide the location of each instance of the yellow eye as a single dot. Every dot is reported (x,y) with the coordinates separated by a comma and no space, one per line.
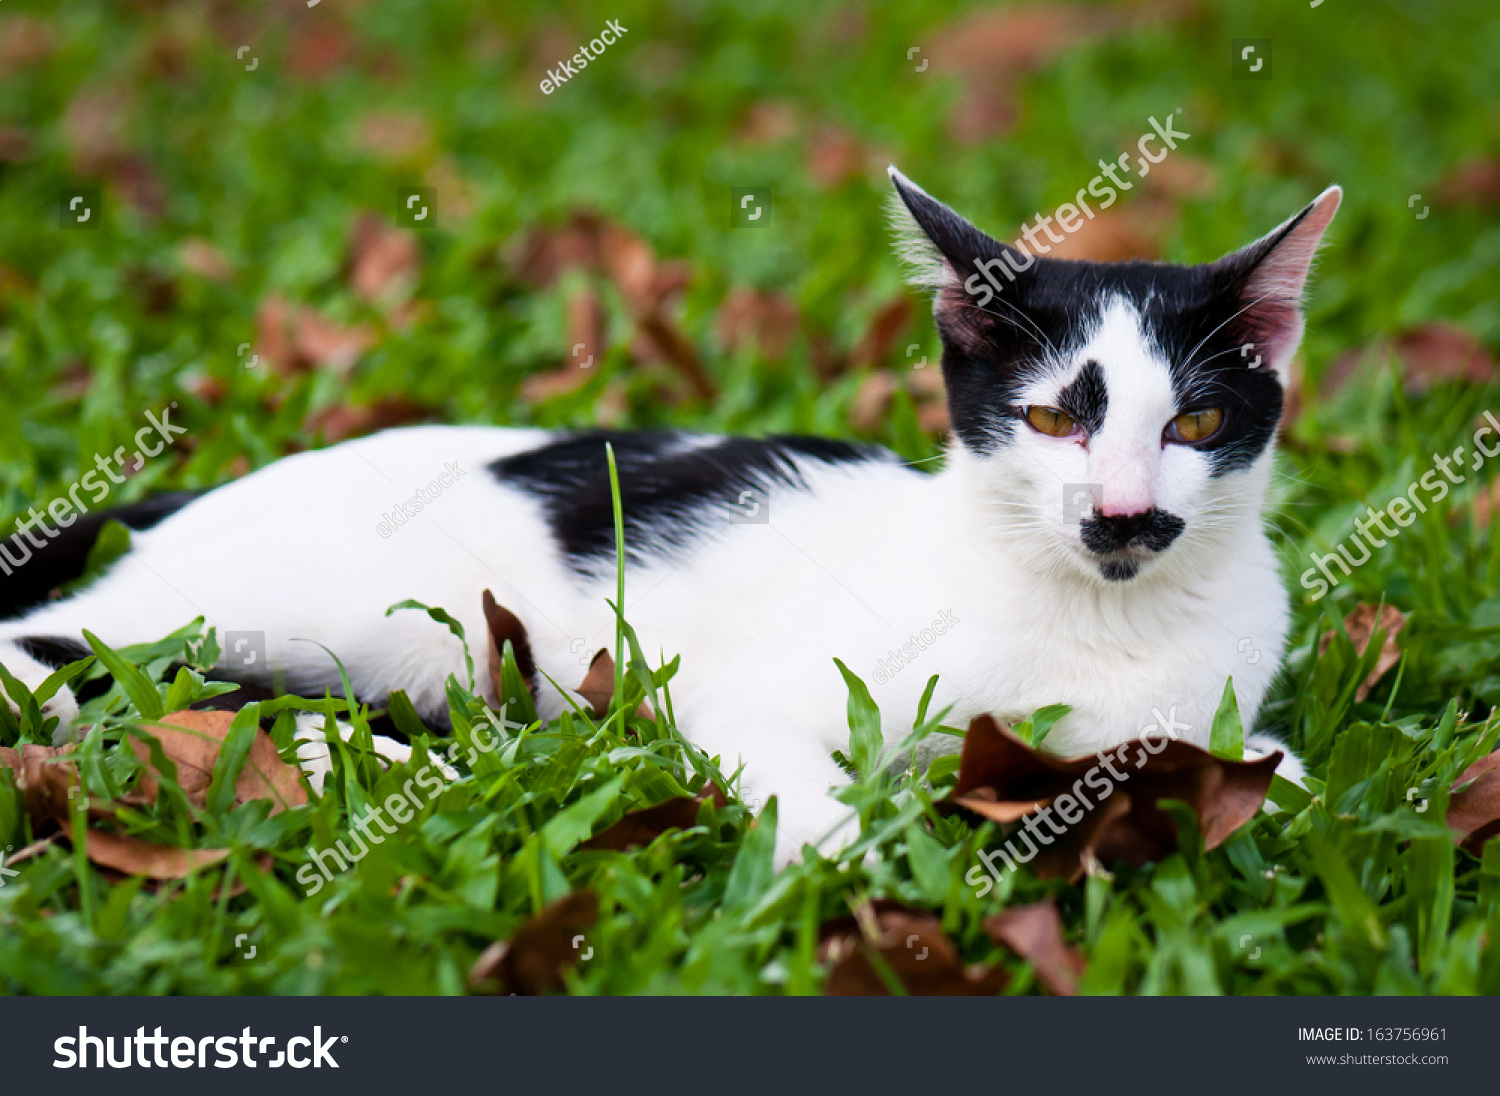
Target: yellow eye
(1050,421)
(1195,425)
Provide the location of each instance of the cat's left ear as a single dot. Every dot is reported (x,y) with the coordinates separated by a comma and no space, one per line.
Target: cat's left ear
(1270,276)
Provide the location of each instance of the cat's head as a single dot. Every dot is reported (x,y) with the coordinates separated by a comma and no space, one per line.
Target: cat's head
(1117,415)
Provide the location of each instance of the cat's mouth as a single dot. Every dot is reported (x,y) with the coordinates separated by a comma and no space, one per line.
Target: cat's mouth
(1121,545)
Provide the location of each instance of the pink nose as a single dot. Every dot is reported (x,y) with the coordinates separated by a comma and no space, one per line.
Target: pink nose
(1126,504)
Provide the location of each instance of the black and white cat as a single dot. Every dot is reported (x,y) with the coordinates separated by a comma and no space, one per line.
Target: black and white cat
(1094,538)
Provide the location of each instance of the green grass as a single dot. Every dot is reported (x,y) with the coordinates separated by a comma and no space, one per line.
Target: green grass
(1356,892)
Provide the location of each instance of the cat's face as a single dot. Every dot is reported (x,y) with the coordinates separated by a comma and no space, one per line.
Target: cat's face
(1115,414)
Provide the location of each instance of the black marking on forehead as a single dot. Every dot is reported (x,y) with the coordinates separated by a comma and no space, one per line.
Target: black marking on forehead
(1086,398)
(673,486)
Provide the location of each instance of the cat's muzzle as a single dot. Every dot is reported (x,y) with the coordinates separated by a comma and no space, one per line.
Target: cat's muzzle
(1122,542)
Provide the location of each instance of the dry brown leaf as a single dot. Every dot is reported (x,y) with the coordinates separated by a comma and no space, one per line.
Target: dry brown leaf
(1474,804)
(1361,625)
(1476,182)
(15,145)
(132,856)
(992,48)
(586,330)
(1438,351)
(24,40)
(343,421)
(319,48)
(385,261)
(504,625)
(1487,503)
(47,784)
(598,686)
(641,827)
(1002,777)
(1112,236)
(885,329)
(767,122)
(533,960)
(1035,933)
(191,740)
(204,259)
(394,135)
(835,156)
(912,946)
(766,317)
(872,400)
(292,338)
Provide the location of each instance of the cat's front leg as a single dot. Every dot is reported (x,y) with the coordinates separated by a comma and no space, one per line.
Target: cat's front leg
(784,759)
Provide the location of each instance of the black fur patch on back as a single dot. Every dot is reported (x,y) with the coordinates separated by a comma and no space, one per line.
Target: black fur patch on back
(672,485)
(36,572)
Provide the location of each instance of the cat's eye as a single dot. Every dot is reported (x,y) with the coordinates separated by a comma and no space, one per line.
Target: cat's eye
(1050,421)
(1194,426)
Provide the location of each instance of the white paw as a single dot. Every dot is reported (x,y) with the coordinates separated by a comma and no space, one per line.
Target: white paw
(316,761)
(824,823)
(1289,768)
(62,704)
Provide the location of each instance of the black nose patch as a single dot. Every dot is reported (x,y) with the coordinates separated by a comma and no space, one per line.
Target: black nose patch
(1152,530)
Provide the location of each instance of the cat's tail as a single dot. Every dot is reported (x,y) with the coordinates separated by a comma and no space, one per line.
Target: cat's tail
(44,554)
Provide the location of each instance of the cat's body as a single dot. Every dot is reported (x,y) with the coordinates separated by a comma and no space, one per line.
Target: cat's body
(760,562)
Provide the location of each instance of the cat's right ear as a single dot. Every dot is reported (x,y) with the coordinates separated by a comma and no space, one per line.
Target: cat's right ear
(945,254)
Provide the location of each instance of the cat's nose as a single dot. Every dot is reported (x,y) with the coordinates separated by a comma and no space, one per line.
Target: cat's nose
(1153,529)
(1124,528)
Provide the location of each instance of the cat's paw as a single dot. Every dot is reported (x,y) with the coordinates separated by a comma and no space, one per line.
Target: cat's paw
(61,704)
(827,825)
(1288,768)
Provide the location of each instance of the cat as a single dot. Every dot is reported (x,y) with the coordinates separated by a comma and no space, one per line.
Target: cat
(1094,537)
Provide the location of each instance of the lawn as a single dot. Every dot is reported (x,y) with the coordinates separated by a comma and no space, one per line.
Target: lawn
(308,223)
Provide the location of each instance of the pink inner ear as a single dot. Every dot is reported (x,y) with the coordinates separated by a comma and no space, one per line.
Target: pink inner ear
(1274,288)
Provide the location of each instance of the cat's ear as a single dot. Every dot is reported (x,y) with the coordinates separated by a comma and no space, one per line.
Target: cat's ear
(1270,276)
(942,250)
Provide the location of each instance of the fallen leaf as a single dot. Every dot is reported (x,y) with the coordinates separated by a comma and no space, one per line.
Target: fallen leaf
(766,317)
(293,339)
(641,827)
(1111,236)
(767,122)
(911,945)
(343,421)
(25,40)
(1035,933)
(533,960)
(1474,803)
(1361,625)
(991,49)
(505,625)
(132,856)
(202,258)
(15,144)
(191,740)
(1487,504)
(872,400)
(385,261)
(1476,182)
(598,686)
(1003,778)
(47,784)
(1438,351)
(886,326)
(394,135)
(318,49)
(834,156)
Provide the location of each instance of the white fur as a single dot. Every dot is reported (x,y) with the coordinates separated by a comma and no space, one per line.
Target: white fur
(865,558)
